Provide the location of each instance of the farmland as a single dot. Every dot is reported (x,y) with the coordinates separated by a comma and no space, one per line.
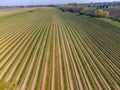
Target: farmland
(8,11)
(114,12)
(51,50)
(110,21)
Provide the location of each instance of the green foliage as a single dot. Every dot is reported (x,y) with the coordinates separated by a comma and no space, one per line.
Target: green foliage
(85,50)
(7,86)
(85,10)
(101,13)
(68,7)
(110,21)
(106,14)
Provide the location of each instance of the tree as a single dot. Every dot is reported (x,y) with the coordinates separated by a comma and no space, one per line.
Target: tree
(89,5)
(67,8)
(99,12)
(107,6)
(106,14)
(85,10)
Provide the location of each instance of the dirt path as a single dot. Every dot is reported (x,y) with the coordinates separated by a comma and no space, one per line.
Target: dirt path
(8,56)
(99,73)
(66,63)
(15,30)
(5,50)
(117,87)
(25,60)
(52,84)
(24,82)
(60,62)
(107,86)
(9,39)
(80,64)
(12,38)
(22,52)
(57,51)
(70,44)
(94,78)
(36,73)
(44,74)
(33,83)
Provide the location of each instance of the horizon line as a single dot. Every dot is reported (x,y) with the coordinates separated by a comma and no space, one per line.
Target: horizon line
(58,3)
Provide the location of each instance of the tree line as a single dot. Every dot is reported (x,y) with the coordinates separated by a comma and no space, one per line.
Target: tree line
(85,11)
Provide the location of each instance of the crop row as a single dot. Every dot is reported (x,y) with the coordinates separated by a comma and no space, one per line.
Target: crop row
(51,50)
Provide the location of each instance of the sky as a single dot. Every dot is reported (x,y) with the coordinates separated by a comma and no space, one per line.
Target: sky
(41,2)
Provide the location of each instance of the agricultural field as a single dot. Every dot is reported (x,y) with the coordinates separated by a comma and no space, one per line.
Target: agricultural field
(110,21)
(114,12)
(51,50)
(9,11)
